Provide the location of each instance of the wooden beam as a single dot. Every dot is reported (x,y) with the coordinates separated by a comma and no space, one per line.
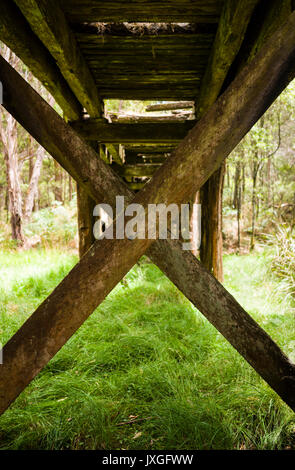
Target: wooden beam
(173,105)
(277,13)
(18,36)
(63,312)
(48,22)
(179,11)
(96,129)
(117,153)
(231,30)
(140,170)
(135,159)
(103,153)
(150,149)
(136,186)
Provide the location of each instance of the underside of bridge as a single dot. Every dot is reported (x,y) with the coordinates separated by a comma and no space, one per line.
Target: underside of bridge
(212,68)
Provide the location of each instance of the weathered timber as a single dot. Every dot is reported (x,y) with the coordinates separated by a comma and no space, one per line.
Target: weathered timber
(140,29)
(154,86)
(135,185)
(231,30)
(152,148)
(211,249)
(103,153)
(182,11)
(85,205)
(117,153)
(103,266)
(181,42)
(18,36)
(95,129)
(48,22)
(147,92)
(134,158)
(140,170)
(173,105)
(137,118)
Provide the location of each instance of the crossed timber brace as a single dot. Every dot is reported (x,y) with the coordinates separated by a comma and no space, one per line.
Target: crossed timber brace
(107,261)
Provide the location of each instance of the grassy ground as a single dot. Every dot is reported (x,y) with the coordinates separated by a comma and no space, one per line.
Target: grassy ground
(146,355)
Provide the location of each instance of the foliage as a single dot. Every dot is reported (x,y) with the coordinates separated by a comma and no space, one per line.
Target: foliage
(55,225)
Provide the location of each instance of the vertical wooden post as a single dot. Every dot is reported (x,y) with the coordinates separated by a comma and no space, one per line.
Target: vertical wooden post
(211,245)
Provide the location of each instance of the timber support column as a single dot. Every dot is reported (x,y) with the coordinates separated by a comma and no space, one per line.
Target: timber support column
(231,31)
(211,231)
(85,206)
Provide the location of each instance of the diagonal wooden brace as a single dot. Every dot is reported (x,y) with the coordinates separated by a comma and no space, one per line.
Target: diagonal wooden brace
(61,314)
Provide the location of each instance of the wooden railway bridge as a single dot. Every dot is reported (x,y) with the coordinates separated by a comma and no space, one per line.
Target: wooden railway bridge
(226,61)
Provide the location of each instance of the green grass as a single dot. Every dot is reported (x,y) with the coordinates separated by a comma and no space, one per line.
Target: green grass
(146,352)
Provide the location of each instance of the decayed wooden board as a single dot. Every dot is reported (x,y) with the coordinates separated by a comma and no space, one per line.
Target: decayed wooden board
(206,11)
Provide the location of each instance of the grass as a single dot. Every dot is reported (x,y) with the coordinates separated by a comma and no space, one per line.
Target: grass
(147,355)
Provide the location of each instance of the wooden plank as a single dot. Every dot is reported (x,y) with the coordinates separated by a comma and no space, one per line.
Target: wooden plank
(18,36)
(177,41)
(213,138)
(146,118)
(149,149)
(182,11)
(230,34)
(96,129)
(48,22)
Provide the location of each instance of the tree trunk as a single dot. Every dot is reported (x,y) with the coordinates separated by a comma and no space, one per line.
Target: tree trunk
(33,186)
